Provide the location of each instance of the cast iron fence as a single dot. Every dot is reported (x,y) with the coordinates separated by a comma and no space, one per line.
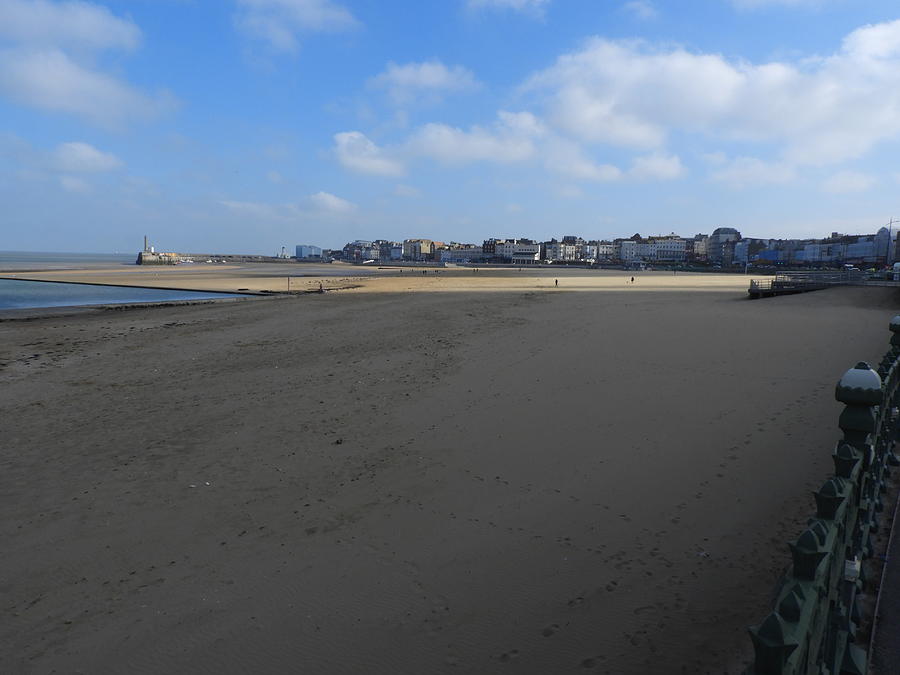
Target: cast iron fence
(815,621)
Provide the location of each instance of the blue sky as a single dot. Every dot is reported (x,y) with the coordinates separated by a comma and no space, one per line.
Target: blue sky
(245,125)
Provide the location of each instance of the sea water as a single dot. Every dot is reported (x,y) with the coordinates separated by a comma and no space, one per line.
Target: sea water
(22,294)
(22,260)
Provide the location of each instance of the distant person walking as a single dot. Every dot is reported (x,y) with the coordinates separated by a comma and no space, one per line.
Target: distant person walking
(556,281)
(632,279)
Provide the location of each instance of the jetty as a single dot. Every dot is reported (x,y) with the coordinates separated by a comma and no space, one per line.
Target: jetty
(787,283)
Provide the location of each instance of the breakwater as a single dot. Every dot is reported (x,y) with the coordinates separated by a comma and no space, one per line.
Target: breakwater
(817,624)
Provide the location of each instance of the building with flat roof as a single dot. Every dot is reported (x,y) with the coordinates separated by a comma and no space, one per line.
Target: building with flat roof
(306,251)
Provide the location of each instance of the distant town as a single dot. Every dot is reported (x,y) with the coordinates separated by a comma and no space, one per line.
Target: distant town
(724,248)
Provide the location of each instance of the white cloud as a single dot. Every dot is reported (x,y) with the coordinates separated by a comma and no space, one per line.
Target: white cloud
(848,181)
(749,171)
(642,9)
(50,80)
(513,138)
(657,166)
(567,158)
(76,157)
(355,151)
(69,163)
(73,184)
(510,140)
(65,24)
(634,94)
(274,177)
(514,208)
(48,63)
(529,6)
(327,202)
(279,22)
(312,206)
(407,82)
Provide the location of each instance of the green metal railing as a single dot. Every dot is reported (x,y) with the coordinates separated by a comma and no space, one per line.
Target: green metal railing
(815,621)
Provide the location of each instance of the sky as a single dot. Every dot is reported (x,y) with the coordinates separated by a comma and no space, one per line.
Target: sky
(246,125)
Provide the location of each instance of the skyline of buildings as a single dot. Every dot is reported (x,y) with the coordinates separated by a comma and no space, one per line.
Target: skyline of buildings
(725,246)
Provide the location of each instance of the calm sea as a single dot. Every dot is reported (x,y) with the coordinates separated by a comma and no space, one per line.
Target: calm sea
(20,260)
(21,294)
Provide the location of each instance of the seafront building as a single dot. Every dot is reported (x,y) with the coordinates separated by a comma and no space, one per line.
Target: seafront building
(461,253)
(724,247)
(720,245)
(418,249)
(307,252)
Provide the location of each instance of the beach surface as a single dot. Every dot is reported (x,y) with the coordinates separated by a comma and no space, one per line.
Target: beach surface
(442,473)
(288,278)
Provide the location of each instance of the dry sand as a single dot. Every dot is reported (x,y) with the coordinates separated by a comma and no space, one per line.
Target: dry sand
(528,480)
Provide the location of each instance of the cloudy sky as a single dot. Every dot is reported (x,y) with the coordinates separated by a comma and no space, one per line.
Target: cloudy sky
(245,125)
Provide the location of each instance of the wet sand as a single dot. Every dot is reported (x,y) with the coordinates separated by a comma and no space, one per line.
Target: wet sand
(284,278)
(598,478)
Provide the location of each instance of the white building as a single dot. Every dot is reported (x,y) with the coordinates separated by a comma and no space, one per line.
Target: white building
(604,250)
(527,254)
(668,248)
(557,251)
(627,250)
(518,251)
(462,254)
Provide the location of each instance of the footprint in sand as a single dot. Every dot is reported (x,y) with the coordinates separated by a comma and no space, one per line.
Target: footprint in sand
(506,657)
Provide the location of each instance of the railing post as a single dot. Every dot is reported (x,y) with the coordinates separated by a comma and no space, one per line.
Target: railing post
(772,645)
(860,391)
(895,338)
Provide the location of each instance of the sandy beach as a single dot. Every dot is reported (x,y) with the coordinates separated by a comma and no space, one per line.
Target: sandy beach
(444,473)
(284,278)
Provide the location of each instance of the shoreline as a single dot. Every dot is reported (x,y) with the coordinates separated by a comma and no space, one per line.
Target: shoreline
(31,313)
(114,285)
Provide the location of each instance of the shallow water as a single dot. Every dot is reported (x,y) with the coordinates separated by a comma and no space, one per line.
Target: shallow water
(21,294)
